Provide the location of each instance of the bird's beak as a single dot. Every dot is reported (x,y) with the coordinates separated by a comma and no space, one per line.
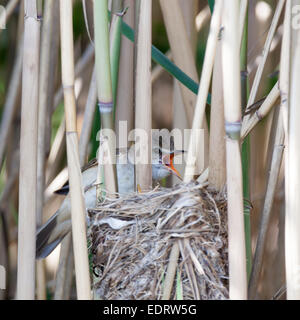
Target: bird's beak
(168,161)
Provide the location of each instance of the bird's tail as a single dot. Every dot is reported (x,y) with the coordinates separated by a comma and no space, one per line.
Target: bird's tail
(44,244)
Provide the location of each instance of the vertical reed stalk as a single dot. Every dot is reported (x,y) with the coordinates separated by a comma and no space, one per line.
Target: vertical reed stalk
(124,99)
(46,78)
(284,78)
(292,218)
(105,96)
(28,155)
(284,86)
(232,103)
(115,43)
(246,142)
(199,115)
(80,66)
(66,259)
(45,71)
(243,19)
(76,191)
(143,101)
(217,152)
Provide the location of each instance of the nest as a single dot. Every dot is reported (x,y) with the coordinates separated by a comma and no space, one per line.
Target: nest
(131,239)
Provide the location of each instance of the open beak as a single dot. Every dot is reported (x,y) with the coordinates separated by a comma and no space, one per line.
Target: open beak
(168,161)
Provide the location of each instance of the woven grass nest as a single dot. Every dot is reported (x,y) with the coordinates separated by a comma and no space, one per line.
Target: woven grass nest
(131,239)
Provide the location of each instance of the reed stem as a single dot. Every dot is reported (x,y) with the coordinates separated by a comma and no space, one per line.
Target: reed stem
(232,103)
(246,143)
(124,98)
(217,154)
(115,44)
(46,88)
(284,79)
(292,217)
(105,97)
(28,155)
(143,99)
(78,211)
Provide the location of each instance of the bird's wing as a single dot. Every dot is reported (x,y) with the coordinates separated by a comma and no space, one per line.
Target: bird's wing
(64,190)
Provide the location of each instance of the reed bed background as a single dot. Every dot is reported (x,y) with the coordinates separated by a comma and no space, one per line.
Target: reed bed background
(226,69)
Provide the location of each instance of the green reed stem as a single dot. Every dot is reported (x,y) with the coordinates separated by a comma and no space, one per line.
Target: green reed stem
(246,147)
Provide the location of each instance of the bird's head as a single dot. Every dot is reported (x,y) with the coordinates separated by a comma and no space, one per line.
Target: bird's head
(165,166)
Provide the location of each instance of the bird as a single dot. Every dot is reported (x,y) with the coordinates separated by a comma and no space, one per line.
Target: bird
(50,234)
